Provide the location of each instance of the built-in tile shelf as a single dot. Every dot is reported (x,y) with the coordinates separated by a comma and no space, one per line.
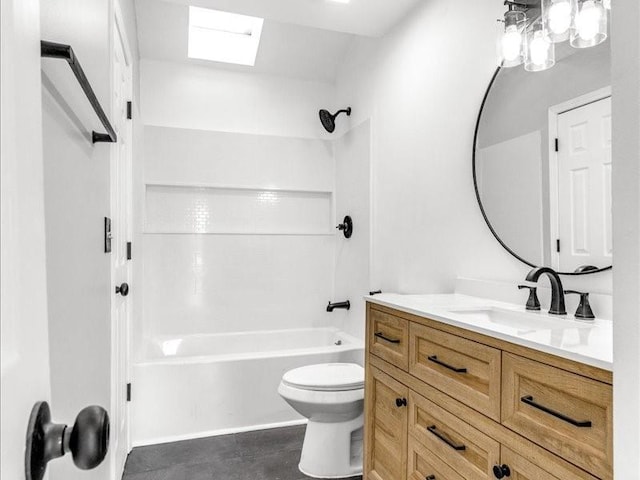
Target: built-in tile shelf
(236,210)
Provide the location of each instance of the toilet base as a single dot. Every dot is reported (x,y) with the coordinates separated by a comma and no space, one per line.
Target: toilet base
(333,450)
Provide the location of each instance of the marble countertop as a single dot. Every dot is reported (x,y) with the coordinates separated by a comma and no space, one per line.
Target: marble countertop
(587,342)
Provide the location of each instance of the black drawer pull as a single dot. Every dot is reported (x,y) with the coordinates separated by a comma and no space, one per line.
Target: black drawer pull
(528,399)
(430,477)
(401,402)
(433,429)
(386,339)
(434,359)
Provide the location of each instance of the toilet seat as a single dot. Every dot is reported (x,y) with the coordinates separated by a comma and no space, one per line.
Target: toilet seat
(326,377)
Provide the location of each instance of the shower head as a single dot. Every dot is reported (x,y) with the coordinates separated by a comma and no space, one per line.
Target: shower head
(329,120)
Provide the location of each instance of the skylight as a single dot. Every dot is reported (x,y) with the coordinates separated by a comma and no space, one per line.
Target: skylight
(223,36)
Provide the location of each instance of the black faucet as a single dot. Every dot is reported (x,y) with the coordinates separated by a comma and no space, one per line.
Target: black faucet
(346,305)
(557,292)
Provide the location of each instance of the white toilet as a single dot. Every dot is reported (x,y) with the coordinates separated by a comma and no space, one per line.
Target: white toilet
(331,396)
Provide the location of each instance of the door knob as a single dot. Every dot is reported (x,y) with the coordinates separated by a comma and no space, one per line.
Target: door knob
(87,439)
(123,289)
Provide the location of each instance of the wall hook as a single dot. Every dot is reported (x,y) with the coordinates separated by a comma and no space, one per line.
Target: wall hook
(346,226)
(87,439)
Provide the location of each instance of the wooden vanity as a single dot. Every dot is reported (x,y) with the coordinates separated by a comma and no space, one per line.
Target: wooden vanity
(447,403)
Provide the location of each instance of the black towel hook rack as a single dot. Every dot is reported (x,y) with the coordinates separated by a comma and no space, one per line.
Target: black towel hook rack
(65,52)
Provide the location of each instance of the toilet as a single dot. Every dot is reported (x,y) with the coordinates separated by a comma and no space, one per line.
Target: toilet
(331,396)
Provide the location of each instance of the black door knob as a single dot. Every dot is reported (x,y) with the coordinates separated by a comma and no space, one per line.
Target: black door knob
(87,439)
(123,289)
(401,402)
(501,471)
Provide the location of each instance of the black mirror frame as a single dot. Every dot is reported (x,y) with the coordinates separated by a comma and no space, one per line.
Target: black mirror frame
(475,186)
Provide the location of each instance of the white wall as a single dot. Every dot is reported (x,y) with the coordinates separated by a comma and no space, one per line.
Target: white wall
(626,234)
(353,197)
(422,86)
(77,198)
(204,98)
(76,180)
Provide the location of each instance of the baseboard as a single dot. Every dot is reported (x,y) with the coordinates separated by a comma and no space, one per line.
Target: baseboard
(215,433)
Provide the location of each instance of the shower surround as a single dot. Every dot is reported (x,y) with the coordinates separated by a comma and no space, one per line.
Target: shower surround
(239,250)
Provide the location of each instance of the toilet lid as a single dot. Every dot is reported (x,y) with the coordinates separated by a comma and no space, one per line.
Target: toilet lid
(335,377)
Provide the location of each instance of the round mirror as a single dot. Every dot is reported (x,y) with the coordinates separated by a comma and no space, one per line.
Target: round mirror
(542,161)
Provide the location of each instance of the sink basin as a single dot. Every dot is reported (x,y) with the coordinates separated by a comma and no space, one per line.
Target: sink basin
(519,321)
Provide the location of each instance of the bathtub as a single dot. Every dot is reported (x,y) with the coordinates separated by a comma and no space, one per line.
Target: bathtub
(203,385)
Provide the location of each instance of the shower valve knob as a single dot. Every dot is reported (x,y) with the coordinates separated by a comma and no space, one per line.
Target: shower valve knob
(123,289)
(346,227)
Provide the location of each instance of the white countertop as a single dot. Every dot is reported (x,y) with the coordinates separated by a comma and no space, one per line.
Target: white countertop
(588,342)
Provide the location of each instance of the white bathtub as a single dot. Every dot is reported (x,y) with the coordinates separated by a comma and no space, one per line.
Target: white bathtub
(203,385)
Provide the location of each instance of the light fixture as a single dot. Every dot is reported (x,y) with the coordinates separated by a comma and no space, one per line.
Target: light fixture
(540,52)
(510,41)
(590,24)
(223,37)
(558,16)
(532,27)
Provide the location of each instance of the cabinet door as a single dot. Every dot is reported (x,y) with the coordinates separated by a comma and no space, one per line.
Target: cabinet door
(386,427)
(522,469)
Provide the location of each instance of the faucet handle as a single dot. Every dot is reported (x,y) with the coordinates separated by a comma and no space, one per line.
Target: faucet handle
(584,308)
(532,303)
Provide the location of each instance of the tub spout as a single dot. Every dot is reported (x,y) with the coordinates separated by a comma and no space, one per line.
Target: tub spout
(332,306)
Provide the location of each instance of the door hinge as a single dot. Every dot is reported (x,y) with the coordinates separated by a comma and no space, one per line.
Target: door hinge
(128,392)
(129,110)
(557,144)
(558,245)
(129,250)
(107,235)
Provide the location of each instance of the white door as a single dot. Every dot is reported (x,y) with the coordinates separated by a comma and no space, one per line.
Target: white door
(23,293)
(584,186)
(121,210)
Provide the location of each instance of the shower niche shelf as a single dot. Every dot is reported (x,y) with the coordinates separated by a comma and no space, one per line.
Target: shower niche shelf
(224,210)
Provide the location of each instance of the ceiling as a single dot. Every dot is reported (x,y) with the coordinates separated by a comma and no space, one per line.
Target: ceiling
(305,39)
(371,18)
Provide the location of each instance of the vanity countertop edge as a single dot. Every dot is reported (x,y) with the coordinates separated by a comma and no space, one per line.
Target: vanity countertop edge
(595,347)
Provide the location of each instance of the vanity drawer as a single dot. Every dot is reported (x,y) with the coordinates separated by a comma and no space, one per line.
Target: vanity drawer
(468,451)
(565,413)
(388,338)
(465,370)
(423,464)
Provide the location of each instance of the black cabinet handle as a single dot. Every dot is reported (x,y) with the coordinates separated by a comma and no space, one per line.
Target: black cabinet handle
(433,429)
(501,471)
(123,289)
(434,359)
(375,292)
(386,339)
(430,477)
(401,402)
(528,399)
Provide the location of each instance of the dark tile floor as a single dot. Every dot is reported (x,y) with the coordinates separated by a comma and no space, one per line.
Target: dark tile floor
(262,455)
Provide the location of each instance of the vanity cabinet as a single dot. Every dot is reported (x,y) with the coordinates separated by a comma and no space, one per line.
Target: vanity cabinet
(446,403)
